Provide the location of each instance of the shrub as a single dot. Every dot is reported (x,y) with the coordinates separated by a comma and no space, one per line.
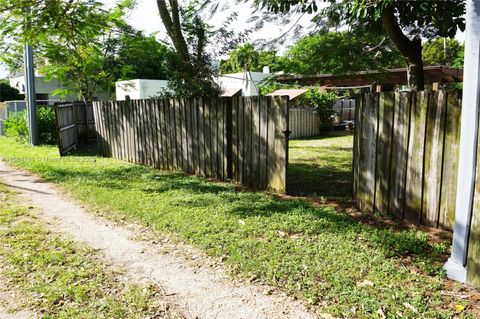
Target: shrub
(47,133)
(323,102)
(16,126)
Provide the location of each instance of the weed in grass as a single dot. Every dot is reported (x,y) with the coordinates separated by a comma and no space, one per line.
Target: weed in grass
(311,252)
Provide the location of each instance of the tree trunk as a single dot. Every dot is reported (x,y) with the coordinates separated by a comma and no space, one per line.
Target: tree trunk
(410,49)
(171,21)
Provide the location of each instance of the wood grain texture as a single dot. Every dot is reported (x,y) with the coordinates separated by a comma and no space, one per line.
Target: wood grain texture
(384,151)
(399,154)
(433,158)
(450,160)
(415,165)
(367,154)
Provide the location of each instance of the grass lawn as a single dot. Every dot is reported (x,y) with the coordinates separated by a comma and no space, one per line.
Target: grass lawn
(58,278)
(321,166)
(345,267)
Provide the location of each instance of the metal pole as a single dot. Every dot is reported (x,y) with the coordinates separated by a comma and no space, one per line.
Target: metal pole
(456,265)
(30,93)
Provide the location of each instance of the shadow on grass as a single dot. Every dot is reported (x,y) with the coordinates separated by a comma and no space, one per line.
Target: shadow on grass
(298,216)
(321,166)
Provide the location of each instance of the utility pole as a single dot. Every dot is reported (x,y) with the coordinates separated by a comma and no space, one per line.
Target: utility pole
(456,266)
(30,97)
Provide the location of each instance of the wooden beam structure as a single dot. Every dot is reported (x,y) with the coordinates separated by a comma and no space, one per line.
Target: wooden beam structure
(433,74)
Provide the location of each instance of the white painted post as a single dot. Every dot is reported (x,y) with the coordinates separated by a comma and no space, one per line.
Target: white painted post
(456,264)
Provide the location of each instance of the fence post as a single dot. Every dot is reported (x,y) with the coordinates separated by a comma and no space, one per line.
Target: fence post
(456,265)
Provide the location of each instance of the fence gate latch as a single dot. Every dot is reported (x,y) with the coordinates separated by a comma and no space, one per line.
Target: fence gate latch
(287,133)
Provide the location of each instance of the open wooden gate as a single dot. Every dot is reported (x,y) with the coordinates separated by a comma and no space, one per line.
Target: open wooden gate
(75,124)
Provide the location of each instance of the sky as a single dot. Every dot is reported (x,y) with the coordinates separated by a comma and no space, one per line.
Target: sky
(145,17)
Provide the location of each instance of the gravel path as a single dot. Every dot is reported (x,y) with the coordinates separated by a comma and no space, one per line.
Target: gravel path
(203,292)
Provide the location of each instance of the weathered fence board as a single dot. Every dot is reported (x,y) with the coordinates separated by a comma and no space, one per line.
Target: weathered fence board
(384,151)
(74,122)
(399,155)
(433,158)
(243,138)
(304,122)
(408,144)
(367,155)
(450,160)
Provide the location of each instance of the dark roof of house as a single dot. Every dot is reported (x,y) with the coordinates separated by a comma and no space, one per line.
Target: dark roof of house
(432,74)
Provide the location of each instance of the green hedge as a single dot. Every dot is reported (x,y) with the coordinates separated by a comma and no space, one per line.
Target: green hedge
(16,126)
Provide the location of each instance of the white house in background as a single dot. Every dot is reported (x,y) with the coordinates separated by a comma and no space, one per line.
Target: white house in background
(44,89)
(139,89)
(243,83)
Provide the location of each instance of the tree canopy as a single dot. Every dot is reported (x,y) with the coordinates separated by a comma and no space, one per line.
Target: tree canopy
(441,51)
(247,58)
(405,22)
(340,53)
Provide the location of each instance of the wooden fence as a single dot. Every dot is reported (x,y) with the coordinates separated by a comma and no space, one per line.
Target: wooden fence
(406,155)
(304,122)
(345,109)
(75,124)
(240,138)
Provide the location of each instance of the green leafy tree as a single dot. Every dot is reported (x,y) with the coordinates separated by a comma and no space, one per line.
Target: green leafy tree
(405,22)
(441,51)
(68,38)
(247,58)
(189,34)
(134,55)
(340,53)
(243,58)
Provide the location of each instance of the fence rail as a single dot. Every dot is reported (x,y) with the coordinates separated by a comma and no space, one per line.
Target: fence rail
(406,155)
(240,138)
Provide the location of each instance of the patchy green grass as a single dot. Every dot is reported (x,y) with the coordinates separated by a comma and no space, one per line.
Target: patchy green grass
(347,268)
(60,279)
(321,166)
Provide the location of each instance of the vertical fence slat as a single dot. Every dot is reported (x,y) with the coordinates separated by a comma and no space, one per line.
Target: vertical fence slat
(399,154)
(248,149)
(357,147)
(156,146)
(195,147)
(241,140)
(433,158)
(221,139)
(278,178)
(367,155)
(263,136)
(201,136)
(414,183)
(450,161)
(207,134)
(183,127)
(384,151)
(235,148)
(178,133)
(255,142)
